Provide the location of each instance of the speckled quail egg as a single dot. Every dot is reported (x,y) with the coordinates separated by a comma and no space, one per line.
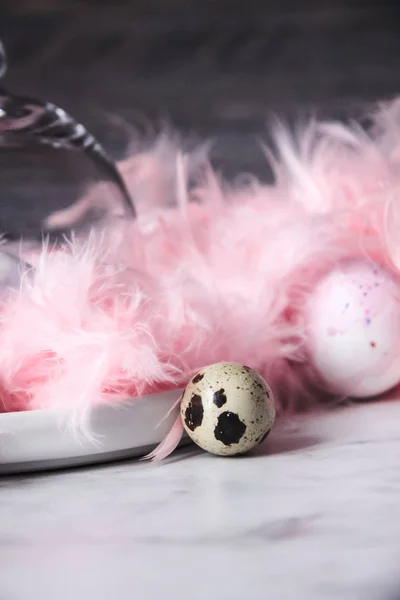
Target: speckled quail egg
(227,409)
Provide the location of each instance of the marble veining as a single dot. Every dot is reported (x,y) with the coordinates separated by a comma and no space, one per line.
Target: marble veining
(312,514)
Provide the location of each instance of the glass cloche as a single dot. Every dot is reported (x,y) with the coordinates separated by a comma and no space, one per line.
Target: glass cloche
(55,177)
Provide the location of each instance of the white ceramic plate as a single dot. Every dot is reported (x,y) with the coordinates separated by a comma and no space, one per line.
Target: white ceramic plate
(37,440)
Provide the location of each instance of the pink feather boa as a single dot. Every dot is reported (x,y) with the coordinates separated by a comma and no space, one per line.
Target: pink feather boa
(208,272)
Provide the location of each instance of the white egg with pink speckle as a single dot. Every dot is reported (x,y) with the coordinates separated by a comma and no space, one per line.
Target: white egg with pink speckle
(353,329)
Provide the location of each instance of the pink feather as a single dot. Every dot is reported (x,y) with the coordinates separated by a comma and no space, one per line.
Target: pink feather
(208,272)
(169,443)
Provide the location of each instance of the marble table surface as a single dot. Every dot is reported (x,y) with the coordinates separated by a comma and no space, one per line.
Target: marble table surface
(313,513)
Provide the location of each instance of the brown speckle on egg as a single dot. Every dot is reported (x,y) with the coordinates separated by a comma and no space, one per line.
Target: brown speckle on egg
(264,437)
(194,412)
(197,377)
(230,429)
(219,398)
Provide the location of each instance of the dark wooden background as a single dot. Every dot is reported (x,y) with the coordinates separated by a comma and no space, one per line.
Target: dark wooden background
(217,68)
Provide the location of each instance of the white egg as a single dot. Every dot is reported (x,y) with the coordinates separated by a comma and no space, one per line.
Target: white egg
(353,327)
(227,409)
